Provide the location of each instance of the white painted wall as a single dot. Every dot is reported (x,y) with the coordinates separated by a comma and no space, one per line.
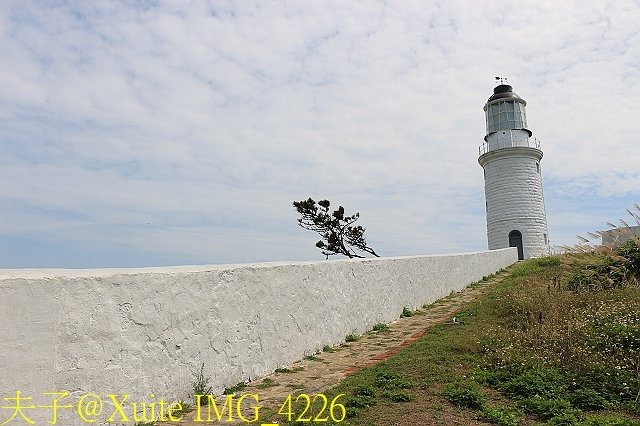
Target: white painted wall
(143,331)
(514,199)
(507,139)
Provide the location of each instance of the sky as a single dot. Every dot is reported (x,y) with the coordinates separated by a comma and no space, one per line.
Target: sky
(153,133)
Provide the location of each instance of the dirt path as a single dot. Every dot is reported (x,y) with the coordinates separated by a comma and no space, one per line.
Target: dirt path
(326,369)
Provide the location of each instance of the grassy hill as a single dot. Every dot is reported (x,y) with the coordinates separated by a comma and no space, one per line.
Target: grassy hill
(556,342)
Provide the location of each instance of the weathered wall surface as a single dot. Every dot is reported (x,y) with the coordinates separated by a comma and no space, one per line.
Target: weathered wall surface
(148,330)
(513,191)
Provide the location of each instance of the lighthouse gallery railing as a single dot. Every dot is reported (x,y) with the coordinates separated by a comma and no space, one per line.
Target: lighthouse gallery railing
(509,143)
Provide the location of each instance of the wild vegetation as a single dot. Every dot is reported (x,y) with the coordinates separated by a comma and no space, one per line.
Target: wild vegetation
(556,342)
(567,342)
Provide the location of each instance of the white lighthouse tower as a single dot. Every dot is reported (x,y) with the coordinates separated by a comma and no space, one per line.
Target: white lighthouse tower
(511,158)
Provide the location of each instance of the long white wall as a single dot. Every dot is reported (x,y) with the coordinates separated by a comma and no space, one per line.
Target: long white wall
(146,331)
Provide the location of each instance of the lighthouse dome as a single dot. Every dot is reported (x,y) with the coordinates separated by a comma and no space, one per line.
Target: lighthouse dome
(504,91)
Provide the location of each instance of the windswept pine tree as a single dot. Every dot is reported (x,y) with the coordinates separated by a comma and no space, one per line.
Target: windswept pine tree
(338,232)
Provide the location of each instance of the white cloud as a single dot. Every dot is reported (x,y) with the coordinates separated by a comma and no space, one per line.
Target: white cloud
(188,132)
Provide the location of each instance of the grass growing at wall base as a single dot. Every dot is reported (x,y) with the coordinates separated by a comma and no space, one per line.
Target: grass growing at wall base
(530,352)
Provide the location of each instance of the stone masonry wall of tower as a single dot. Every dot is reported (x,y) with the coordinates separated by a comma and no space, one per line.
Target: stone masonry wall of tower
(513,180)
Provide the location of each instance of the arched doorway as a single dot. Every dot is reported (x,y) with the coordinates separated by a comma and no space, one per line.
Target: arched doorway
(515,240)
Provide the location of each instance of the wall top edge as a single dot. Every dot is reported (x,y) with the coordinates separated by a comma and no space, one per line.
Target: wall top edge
(43,273)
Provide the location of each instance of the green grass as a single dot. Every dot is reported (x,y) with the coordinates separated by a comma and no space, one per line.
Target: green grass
(312,358)
(501,416)
(267,383)
(529,351)
(289,370)
(234,389)
(351,338)
(399,396)
(406,313)
(465,396)
(380,327)
(201,386)
(185,407)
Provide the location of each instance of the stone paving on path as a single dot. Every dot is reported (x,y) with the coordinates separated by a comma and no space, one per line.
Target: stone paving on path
(327,369)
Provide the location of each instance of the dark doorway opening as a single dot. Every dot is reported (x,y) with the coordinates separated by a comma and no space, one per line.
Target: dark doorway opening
(515,240)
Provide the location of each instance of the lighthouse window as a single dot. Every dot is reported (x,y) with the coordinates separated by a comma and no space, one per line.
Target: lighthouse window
(538,167)
(505,115)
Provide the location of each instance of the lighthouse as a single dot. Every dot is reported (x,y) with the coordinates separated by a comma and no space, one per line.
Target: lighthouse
(511,157)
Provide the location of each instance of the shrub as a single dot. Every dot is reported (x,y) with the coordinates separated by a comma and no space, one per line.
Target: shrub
(406,312)
(630,251)
(467,396)
(351,338)
(502,416)
(381,327)
(531,383)
(545,408)
(588,399)
(569,417)
(600,379)
(400,397)
(365,391)
(609,420)
(614,270)
(584,280)
(490,378)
